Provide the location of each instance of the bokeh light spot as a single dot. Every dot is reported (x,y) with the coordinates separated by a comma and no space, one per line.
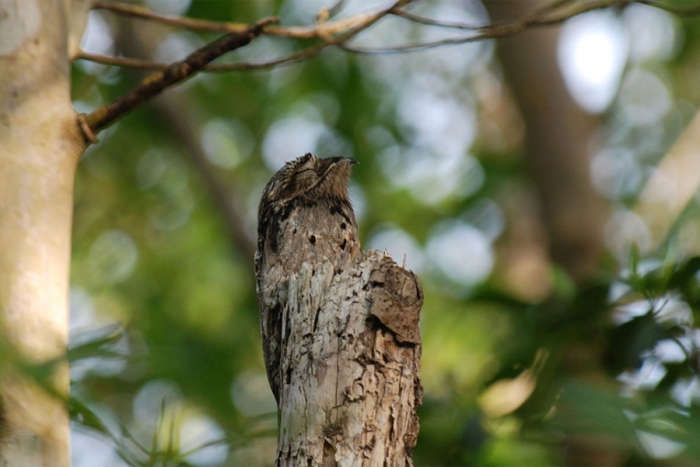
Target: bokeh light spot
(113,256)
(592,54)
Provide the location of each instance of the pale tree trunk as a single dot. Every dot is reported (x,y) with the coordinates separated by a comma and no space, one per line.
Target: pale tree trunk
(349,361)
(40,148)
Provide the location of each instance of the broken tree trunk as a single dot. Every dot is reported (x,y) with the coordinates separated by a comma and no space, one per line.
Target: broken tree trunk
(349,364)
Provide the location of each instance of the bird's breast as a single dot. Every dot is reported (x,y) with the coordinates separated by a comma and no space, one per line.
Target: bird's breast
(314,232)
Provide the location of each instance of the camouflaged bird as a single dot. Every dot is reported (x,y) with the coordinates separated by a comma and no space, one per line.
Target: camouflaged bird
(305,216)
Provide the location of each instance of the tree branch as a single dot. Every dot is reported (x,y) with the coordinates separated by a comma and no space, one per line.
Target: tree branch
(344,30)
(321,30)
(181,117)
(138,11)
(221,67)
(540,12)
(170,75)
(332,33)
(135,63)
(340,31)
(543,16)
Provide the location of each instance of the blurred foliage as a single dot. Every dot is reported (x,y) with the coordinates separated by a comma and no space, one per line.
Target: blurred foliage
(166,357)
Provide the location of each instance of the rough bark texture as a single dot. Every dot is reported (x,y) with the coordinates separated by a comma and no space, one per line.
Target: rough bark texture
(305,216)
(40,148)
(350,362)
(339,326)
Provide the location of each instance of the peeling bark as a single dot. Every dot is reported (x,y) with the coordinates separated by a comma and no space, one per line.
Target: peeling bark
(350,358)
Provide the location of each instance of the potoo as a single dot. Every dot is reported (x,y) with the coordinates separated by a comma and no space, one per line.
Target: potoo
(305,216)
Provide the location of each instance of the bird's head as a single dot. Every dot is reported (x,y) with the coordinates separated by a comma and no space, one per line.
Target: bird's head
(311,177)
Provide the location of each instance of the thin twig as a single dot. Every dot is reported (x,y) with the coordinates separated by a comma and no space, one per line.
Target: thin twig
(317,31)
(219,67)
(138,11)
(125,62)
(434,22)
(540,17)
(347,28)
(175,73)
(293,58)
(367,19)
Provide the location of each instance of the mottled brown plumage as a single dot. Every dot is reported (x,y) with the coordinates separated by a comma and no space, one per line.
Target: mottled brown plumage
(305,216)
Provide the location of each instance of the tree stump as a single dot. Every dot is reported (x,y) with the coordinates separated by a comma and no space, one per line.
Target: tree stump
(350,355)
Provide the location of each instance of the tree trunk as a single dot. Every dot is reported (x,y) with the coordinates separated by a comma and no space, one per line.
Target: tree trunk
(350,360)
(556,148)
(40,148)
(573,215)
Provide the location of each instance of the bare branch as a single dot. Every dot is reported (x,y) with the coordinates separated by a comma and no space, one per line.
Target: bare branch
(433,22)
(175,73)
(337,33)
(466,27)
(138,11)
(135,63)
(359,23)
(546,16)
(321,30)
(293,58)
(220,67)
(181,117)
(540,17)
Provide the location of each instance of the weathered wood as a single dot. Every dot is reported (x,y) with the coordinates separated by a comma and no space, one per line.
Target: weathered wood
(349,360)
(339,326)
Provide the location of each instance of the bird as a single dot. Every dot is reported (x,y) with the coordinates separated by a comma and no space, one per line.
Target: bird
(305,216)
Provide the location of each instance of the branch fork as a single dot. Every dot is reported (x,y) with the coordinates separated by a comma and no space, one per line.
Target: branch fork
(152,85)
